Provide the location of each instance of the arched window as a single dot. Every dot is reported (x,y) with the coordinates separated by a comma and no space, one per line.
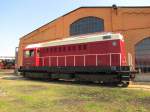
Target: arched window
(87,25)
(142,51)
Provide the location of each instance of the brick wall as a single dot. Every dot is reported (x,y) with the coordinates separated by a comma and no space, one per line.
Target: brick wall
(133,23)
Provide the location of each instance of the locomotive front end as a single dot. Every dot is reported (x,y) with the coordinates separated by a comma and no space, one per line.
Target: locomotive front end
(29,58)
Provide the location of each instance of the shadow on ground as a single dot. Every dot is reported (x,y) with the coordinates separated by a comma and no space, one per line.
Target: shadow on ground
(64,82)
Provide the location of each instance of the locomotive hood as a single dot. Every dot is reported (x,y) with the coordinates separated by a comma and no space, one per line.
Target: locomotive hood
(78,39)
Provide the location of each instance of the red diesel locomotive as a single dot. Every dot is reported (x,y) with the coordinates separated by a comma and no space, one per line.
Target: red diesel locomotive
(96,57)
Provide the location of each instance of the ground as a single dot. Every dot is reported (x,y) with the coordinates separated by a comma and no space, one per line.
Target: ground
(22,95)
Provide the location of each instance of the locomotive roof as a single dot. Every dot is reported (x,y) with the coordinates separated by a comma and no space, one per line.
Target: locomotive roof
(78,40)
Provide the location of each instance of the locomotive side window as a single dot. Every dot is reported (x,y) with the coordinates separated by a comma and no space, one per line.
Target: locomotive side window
(74,48)
(51,50)
(55,49)
(59,49)
(69,48)
(46,49)
(26,54)
(84,47)
(64,48)
(29,53)
(80,47)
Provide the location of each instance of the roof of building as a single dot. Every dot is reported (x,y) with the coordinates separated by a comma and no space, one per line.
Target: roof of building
(113,6)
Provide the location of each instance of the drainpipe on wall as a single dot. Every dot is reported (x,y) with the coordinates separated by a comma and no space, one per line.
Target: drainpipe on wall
(114,11)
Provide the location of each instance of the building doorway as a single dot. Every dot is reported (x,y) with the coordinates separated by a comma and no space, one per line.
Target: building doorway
(142,51)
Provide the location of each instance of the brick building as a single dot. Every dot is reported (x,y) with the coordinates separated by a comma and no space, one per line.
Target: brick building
(132,22)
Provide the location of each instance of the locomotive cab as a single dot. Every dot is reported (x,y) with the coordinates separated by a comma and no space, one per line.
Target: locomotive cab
(30,57)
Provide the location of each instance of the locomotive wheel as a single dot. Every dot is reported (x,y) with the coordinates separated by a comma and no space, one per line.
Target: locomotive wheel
(124,84)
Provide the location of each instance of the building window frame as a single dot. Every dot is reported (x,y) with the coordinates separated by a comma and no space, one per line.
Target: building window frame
(85,25)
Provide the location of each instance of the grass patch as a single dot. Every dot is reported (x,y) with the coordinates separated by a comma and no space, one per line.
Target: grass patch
(36,96)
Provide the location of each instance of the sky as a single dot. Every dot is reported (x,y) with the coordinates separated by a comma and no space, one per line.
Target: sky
(20,17)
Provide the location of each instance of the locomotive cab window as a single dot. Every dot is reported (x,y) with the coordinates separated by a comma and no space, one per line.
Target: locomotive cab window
(29,53)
